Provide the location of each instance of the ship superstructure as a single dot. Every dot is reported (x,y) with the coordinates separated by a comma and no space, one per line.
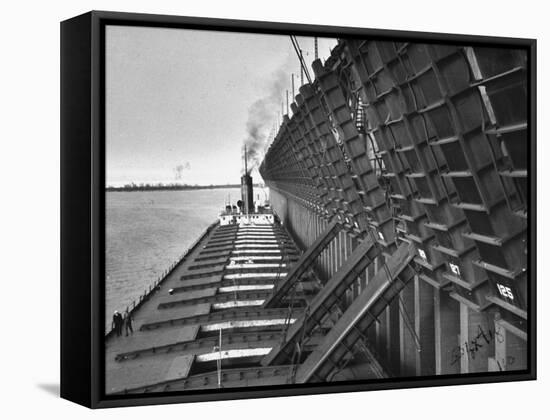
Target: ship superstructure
(247,211)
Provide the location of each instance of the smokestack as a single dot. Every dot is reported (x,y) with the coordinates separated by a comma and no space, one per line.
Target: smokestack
(247,194)
(293,96)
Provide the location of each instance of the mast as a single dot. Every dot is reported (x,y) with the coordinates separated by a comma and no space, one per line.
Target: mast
(316,42)
(245,167)
(246,186)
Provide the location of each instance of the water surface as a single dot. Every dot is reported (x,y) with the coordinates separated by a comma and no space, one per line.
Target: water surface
(146,231)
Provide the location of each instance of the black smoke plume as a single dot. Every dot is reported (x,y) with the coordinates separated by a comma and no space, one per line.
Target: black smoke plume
(261,117)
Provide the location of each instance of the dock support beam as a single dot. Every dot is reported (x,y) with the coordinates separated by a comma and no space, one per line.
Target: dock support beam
(330,300)
(303,264)
(447,330)
(349,332)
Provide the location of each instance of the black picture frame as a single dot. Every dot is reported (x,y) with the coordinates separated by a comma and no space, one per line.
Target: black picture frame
(83,207)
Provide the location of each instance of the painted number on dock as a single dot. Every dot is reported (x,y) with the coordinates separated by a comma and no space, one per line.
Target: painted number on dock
(505,291)
(455,269)
(422,254)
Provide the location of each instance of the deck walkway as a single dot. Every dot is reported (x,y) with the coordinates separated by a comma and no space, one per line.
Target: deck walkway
(216,286)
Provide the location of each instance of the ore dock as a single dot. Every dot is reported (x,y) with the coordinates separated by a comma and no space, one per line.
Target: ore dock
(394,243)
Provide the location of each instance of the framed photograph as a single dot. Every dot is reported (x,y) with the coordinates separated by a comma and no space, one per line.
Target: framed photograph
(255,209)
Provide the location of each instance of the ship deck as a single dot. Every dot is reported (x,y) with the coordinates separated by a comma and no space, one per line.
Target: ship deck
(220,286)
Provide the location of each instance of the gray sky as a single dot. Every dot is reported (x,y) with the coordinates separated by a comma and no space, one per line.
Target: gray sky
(176,96)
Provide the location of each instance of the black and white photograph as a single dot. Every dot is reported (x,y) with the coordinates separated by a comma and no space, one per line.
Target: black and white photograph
(252,210)
(284,210)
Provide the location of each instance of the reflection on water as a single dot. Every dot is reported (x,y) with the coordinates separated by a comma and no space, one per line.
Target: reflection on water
(147,231)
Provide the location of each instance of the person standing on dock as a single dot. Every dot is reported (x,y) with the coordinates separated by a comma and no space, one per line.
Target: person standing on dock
(117,323)
(128,323)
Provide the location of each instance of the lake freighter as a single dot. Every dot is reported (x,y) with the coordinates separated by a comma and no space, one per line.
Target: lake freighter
(394,243)
(205,325)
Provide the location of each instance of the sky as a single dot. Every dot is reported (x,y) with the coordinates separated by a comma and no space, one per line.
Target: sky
(180,103)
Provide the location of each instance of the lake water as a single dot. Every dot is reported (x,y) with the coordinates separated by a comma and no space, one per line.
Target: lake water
(149,230)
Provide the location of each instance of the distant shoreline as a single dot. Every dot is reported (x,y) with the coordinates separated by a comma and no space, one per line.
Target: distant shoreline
(147,187)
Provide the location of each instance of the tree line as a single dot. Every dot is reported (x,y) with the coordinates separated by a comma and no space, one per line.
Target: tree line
(170,187)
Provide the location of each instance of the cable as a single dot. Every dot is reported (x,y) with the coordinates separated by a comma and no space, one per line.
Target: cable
(296,46)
